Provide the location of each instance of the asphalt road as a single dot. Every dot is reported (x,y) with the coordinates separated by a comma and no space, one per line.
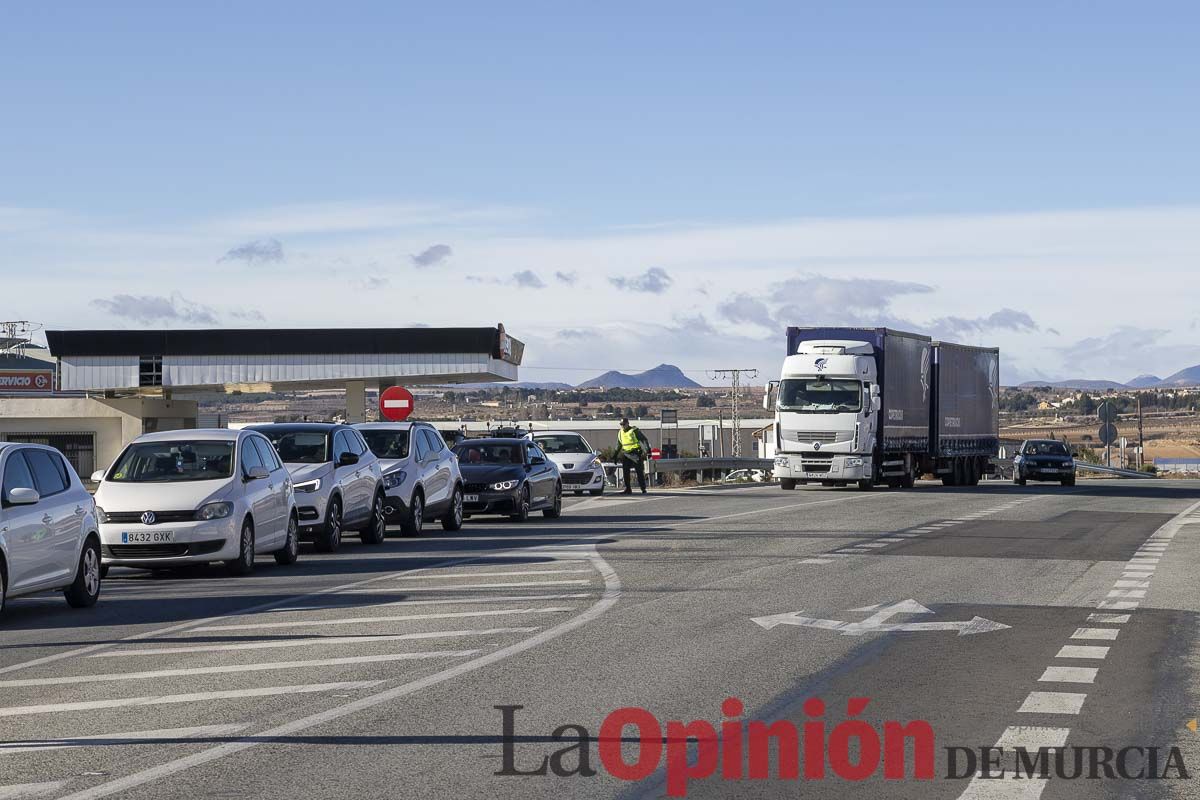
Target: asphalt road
(998,615)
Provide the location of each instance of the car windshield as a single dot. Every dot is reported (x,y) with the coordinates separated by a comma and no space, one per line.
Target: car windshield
(1045,449)
(387,444)
(491,453)
(300,447)
(173,462)
(820,394)
(563,443)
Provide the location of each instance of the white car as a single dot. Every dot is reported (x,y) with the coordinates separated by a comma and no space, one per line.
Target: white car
(195,496)
(578,464)
(48,534)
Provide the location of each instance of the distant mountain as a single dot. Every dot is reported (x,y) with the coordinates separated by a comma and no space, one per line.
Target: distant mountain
(1185,377)
(1077,383)
(664,376)
(1144,382)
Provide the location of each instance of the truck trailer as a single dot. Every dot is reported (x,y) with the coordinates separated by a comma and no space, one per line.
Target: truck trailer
(874,406)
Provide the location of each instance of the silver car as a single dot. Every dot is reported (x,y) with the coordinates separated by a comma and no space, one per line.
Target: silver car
(577,461)
(338,480)
(421,478)
(48,533)
(196,496)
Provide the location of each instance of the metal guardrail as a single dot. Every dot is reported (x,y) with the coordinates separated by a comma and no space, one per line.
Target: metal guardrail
(698,464)
(1120,473)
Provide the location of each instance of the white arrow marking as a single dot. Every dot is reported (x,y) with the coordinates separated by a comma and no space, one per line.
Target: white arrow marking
(878,622)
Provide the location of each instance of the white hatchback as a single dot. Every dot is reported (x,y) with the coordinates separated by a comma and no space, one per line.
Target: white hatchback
(195,496)
(47,527)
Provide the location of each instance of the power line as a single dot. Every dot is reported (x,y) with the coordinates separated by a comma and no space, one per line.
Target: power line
(735,376)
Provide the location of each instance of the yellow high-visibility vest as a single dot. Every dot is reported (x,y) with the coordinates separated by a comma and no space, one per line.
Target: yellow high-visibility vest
(629,440)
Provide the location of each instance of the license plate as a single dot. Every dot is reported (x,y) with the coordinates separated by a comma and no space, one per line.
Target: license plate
(470,498)
(147,537)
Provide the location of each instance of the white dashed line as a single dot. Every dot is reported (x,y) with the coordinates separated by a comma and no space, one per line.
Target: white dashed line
(1069,675)
(1096,633)
(1052,703)
(1082,651)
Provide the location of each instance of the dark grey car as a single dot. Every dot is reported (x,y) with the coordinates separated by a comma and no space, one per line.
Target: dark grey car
(1044,460)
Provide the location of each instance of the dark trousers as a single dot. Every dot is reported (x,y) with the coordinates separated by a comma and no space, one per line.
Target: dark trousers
(633,461)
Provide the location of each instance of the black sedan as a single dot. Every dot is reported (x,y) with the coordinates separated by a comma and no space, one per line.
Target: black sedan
(508,476)
(1044,460)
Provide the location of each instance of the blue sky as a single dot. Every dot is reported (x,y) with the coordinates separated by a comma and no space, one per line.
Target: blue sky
(997,157)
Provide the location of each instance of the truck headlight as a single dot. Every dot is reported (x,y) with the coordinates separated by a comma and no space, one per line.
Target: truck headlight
(394,479)
(504,486)
(214,511)
(781,461)
(309,486)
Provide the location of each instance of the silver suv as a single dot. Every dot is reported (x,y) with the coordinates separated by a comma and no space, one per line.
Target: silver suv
(338,481)
(48,532)
(420,475)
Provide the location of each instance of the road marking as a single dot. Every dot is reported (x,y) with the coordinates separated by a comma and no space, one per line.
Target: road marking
(1052,703)
(878,622)
(309,642)
(76,680)
(1069,675)
(1137,575)
(908,535)
(1082,651)
(194,697)
(1096,633)
(889,539)
(1113,618)
(872,544)
(1132,584)
(494,574)
(130,738)
(20,791)
(1136,594)
(1118,605)
(306,623)
(440,602)
(1032,737)
(457,587)
(816,561)
(612,592)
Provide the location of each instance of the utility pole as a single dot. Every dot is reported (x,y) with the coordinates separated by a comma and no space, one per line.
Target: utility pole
(735,376)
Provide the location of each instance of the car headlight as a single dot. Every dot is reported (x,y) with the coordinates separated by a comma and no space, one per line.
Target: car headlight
(393,479)
(309,486)
(853,462)
(100,515)
(504,486)
(1069,464)
(214,511)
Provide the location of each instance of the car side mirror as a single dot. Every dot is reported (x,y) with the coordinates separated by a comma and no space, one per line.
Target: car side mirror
(22,497)
(97,476)
(537,461)
(257,473)
(347,459)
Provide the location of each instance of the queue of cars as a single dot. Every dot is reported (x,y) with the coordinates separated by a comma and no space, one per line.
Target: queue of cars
(183,497)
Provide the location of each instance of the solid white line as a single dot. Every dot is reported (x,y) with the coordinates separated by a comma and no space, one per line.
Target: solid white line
(816,561)
(1096,633)
(443,576)
(75,680)
(1113,618)
(1032,737)
(20,791)
(130,738)
(1082,651)
(612,591)
(440,602)
(194,697)
(460,586)
(1052,703)
(1069,675)
(307,623)
(1123,584)
(311,642)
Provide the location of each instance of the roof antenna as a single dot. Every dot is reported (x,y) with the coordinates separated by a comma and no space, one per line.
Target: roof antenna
(16,335)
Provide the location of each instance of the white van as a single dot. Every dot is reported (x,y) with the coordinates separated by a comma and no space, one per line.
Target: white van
(48,536)
(194,496)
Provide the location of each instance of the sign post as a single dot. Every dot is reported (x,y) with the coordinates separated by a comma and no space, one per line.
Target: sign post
(395,403)
(1108,429)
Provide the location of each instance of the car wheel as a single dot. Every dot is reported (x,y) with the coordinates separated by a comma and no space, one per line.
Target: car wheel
(244,563)
(787,484)
(416,516)
(376,532)
(331,538)
(555,509)
(453,520)
(291,548)
(84,591)
(522,512)
(1068,481)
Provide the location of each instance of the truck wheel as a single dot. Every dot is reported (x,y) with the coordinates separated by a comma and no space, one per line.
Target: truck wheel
(1018,480)
(1068,481)
(909,480)
(787,484)
(866,484)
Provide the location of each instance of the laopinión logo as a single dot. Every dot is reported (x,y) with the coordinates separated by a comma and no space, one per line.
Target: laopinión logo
(736,749)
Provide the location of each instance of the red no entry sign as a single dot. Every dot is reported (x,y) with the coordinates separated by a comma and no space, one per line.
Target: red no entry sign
(655,454)
(395,403)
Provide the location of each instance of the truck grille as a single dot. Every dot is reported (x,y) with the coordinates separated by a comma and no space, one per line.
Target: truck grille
(824,437)
(817,465)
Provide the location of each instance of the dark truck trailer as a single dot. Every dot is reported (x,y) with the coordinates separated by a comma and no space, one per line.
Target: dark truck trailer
(965,412)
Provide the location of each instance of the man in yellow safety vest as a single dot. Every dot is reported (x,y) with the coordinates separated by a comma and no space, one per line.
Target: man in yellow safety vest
(632,449)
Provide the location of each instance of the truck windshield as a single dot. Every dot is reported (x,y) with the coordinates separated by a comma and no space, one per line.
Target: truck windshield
(820,395)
